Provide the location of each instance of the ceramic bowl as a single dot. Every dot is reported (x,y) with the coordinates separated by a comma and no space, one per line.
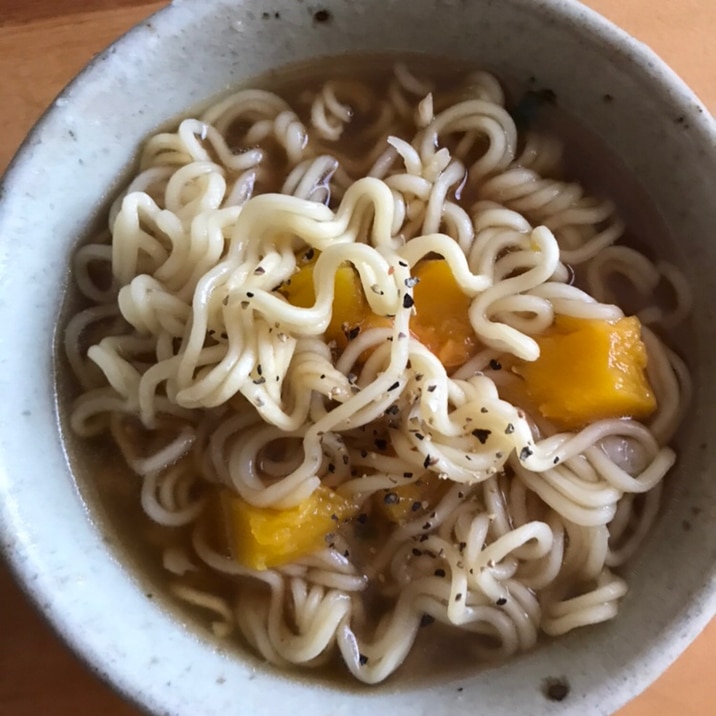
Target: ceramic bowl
(71,163)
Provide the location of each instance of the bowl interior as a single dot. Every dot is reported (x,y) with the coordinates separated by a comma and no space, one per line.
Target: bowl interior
(60,182)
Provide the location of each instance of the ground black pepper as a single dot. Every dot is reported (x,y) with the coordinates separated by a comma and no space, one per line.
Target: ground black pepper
(482,435)
(426,620)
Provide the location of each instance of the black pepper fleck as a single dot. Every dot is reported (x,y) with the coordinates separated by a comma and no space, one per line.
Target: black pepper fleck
(482,435)
(351,333)
(426,620)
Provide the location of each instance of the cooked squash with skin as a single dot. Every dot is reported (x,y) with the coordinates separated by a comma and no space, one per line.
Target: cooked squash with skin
(262,537)
(440,321)
(589,370)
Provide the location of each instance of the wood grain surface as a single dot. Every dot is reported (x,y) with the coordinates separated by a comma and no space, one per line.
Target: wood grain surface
(43,44)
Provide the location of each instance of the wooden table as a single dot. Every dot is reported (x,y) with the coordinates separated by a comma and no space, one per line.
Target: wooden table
(43,43)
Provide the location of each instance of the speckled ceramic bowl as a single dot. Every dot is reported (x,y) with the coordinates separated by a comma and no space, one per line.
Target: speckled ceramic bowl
(61,178)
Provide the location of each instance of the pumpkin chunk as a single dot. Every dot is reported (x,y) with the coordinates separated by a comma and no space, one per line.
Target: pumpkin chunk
(589,370)
(350,307)
(440,321)
(262,537)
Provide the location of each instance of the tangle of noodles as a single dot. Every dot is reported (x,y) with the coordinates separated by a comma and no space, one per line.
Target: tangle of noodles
(207,378)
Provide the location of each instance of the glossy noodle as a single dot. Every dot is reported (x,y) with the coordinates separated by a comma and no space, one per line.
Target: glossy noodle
(335,339)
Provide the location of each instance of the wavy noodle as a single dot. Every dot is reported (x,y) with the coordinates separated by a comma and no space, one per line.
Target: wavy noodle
(207,378)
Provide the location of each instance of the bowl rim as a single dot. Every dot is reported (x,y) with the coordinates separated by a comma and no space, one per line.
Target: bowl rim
(17,544)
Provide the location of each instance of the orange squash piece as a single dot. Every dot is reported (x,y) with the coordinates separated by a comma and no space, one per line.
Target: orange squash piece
(262,537)
(440,321)
(589,370)
(349,305)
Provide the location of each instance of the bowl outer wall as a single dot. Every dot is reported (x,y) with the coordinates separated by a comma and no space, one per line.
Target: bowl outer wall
(67,169)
